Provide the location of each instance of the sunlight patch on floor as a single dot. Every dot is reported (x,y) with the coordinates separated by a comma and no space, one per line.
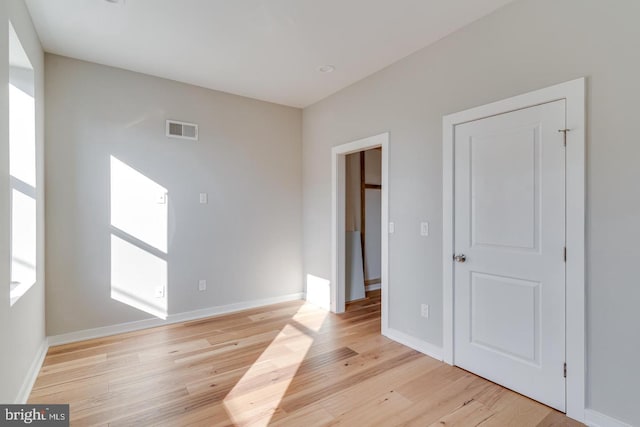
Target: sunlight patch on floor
(255,398)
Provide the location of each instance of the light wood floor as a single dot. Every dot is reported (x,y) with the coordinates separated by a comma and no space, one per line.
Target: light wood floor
(289,364)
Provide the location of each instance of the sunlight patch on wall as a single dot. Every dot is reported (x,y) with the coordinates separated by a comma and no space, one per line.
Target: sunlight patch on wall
(138,278)
(138,205)
(139,218)
(319,291)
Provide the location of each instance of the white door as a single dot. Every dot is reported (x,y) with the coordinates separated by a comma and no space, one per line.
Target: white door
(509,292)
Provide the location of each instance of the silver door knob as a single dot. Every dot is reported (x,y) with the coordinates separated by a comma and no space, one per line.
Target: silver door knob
(460,258)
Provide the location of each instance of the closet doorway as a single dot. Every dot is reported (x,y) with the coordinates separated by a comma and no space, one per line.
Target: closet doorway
(359,221)
(363,205)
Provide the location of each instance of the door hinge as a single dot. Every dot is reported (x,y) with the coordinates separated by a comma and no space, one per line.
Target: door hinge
(564,254)
(564,134)
(565,370)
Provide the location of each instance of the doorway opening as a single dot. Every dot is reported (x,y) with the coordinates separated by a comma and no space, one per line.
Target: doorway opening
(359,222)
(363,205)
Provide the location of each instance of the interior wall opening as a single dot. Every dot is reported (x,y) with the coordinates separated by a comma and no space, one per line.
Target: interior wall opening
(363,206)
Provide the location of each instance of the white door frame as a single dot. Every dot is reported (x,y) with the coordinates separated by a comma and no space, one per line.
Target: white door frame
(574,94)
(338,191)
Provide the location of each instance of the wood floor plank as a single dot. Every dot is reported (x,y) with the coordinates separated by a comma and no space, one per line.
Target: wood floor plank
(359,393)
(556,419)
(470,414)
(513,408)
(290,364)
(207,416)
(306,389)
(313,416)
(377,411)
(446,400)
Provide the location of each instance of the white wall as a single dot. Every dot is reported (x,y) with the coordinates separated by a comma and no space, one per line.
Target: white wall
(22,327)
(528,45)
(246,242)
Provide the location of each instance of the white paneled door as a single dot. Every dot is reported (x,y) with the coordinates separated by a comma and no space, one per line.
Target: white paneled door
(509,275)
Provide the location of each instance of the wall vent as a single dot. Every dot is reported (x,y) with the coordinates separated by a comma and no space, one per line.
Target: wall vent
(182,130)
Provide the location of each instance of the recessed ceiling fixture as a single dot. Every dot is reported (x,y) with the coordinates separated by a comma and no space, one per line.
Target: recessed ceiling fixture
(120,2)
(326,68)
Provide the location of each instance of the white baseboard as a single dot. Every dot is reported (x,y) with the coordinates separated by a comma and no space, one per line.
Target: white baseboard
(414,343)
(373,287)
(32,374)
(172,318)
(597,419)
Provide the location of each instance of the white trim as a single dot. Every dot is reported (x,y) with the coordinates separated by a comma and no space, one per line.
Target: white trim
(574,94)
(414,343)
(172,318)
(338,171)
(373,287)
(575,229)
(32,374)
(384,233)
(596,419)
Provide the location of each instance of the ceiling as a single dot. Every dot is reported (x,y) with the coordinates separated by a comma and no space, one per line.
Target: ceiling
(264,49)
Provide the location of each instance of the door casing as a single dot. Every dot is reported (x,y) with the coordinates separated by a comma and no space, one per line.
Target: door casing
(573,92)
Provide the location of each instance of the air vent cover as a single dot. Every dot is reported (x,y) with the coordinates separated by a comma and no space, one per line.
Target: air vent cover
(182,130)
